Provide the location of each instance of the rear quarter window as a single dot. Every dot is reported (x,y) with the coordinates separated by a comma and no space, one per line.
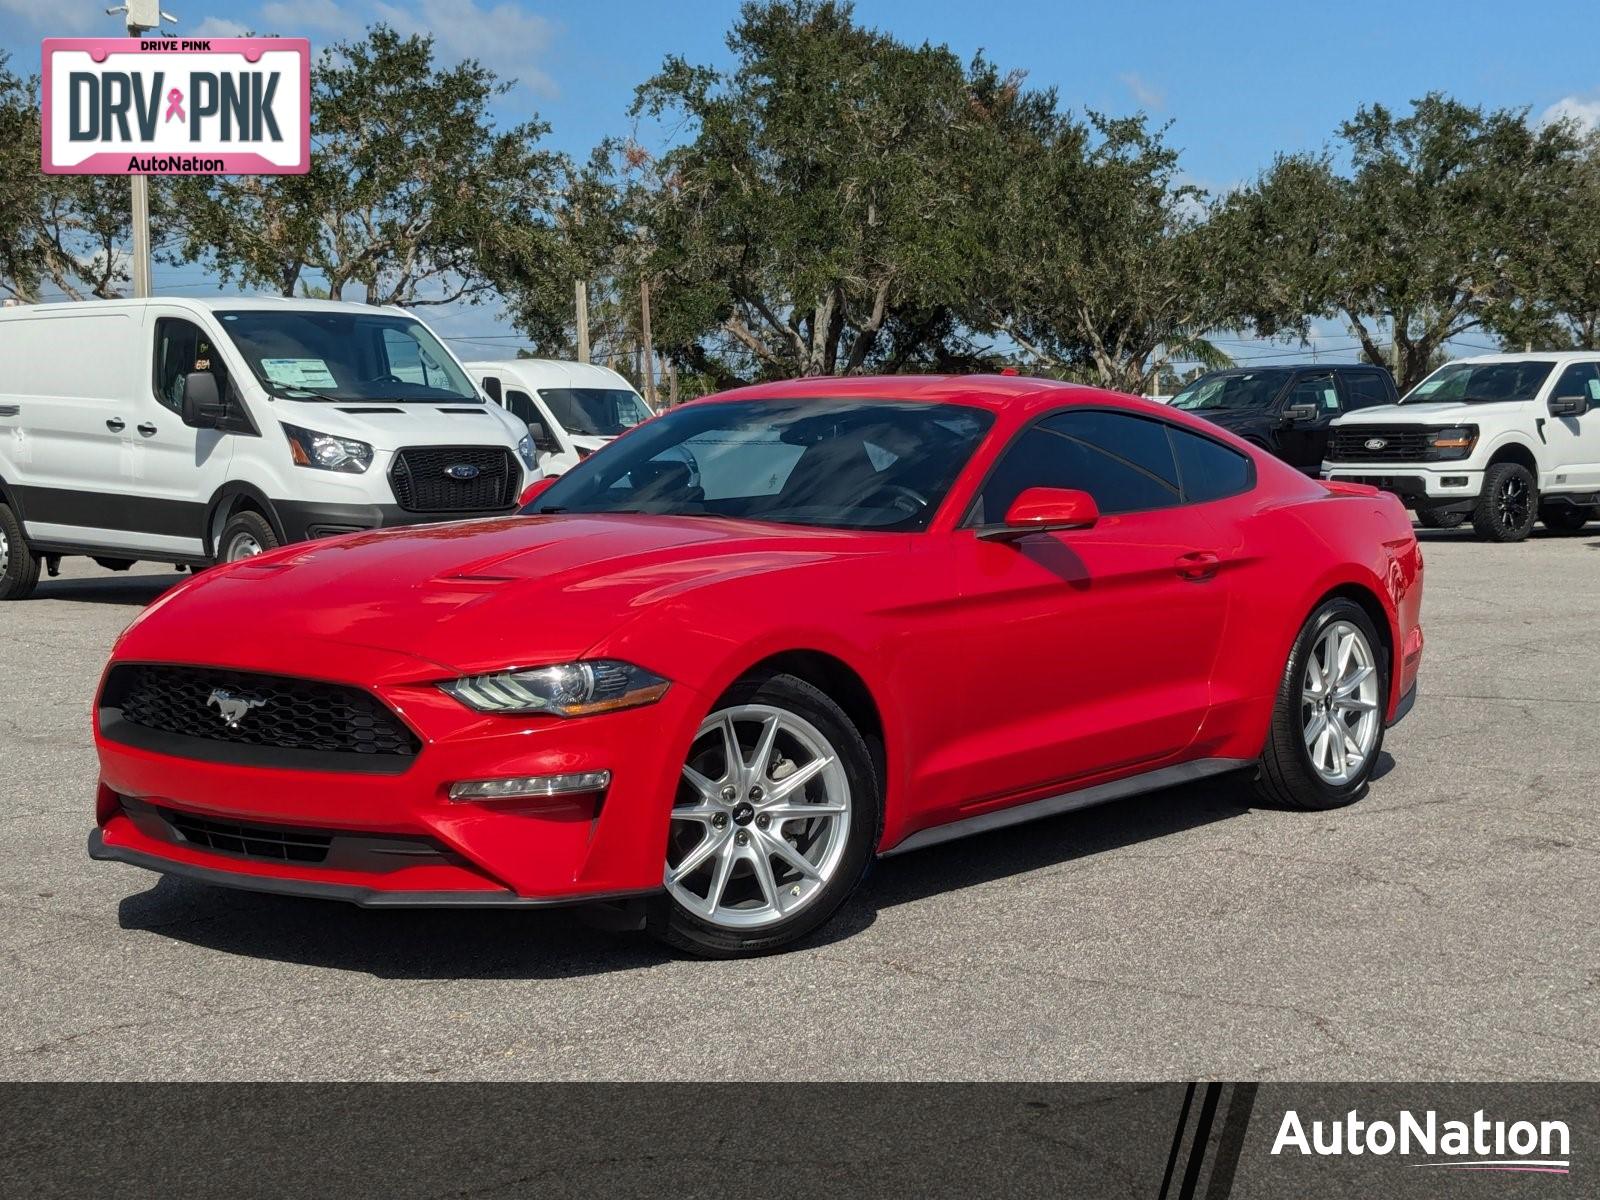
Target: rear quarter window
(1208,470)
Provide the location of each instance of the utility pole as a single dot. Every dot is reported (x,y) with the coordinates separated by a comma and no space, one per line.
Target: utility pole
(580,305)
(649,344)
(142,16)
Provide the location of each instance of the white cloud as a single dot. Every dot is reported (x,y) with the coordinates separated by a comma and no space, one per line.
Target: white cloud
(1584,111)
(1145,93)
(297,18)
(506,38)
(65,18)
(218,27)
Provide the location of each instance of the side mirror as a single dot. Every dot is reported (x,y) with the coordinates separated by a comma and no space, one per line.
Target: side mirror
(1043,508)
(1569,406)
(1300,414)
(202,402)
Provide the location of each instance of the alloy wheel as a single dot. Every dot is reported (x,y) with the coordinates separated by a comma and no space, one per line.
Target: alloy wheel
(1515,503)
(1339,703)
(761,821)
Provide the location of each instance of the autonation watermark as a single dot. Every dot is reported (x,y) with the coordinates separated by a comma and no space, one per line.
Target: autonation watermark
(1481,1144)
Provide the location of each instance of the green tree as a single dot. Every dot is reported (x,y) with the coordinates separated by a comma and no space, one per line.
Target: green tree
(1441,225)
(822,217)
(68,232)
(1566,312)
(414,196)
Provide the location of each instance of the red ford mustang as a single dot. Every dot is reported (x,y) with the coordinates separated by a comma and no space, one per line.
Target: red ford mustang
(760,639)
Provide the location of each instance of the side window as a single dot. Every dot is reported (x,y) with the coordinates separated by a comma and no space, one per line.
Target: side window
(1124,462)
(182,347)
(408,361)
(1580,379)
(1318,390)
(1210,471)
(521,405)
(1363,389)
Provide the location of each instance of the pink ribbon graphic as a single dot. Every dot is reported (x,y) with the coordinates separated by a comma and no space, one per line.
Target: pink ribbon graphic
(175,105)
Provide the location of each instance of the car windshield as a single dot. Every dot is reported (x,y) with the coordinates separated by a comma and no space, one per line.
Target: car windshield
(595,412)
(1481,383)
(846,464)
(1249,389)
(309,355)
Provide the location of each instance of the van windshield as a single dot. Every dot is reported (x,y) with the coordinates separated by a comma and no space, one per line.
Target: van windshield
(1482,383)
(596,412)
(306,355)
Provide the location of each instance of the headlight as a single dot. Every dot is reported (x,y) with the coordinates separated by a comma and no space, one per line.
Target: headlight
(326,452)
(528,455)
(1454,442)
(577,689)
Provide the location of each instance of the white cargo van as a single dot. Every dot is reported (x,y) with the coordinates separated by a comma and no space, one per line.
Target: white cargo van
(197,431)
(571,409)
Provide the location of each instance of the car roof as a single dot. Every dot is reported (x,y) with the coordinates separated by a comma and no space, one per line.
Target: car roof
(199,304)
(553,372)
(994,392)
(1556,356)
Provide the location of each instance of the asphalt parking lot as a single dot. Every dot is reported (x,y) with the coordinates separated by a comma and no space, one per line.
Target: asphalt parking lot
(1443,928)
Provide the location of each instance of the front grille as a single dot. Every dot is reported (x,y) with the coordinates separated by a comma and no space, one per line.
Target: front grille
(1401,443)
(422,481)
(246,709)
(278,843)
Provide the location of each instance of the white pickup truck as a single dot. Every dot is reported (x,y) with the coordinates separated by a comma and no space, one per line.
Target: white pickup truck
(1502,440)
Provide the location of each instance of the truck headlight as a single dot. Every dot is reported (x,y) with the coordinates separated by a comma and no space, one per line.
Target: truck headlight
(578,689)
(526,452)
(1455,442)
(325,451)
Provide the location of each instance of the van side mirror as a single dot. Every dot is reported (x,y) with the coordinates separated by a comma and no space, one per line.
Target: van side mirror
(1300,414)
(1569,406)
(202,402)
(1039,509)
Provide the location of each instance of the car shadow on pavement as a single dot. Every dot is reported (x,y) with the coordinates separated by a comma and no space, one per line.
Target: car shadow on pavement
(561,943)
(129,589)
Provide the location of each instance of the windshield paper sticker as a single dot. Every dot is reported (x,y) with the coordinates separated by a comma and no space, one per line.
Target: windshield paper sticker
(299,372)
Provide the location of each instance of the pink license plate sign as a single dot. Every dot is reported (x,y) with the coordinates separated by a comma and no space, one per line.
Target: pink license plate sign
(171,106)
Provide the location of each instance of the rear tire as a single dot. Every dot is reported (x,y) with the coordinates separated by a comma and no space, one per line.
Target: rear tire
(745,874)
(1325,740)
(1508,504)
(1566,518)
(246,535)
(1434,519)
(19,565)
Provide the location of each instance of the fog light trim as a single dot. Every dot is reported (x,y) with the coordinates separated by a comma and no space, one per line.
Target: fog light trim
(525,786)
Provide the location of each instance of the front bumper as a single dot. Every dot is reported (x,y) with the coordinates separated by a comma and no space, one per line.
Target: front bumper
(1418,485)
(513,853)
(304,520)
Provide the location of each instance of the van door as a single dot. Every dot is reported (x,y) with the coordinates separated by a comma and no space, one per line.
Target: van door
(178,469)
(1574,441)
(555,456)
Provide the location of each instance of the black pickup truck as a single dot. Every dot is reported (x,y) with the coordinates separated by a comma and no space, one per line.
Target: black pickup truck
(1287,409)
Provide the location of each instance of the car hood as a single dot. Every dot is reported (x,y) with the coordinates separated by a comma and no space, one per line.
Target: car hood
(480,595)
(1439,413)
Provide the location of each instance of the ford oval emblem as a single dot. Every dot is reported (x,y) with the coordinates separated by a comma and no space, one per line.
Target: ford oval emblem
(462,471)
(1376,443)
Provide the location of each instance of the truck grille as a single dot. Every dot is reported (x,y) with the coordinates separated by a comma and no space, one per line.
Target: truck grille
(247,709)
(428,479)
(1401,443)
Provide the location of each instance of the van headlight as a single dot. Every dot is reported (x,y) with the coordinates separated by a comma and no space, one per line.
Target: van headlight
(577,689)
(526,452)
(326,452)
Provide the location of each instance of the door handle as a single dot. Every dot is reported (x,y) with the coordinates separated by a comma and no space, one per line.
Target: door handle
(1197,566)
(147,429)
(116,424)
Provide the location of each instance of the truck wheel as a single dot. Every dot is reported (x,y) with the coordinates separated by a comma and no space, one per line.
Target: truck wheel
(1434,519)
(1566,518)
(19,565)
(1508,504)
(246,535)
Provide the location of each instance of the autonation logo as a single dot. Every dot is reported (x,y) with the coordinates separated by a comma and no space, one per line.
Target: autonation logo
(1477,1145)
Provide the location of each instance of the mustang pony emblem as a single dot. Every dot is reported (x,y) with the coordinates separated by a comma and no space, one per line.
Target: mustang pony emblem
(234,708)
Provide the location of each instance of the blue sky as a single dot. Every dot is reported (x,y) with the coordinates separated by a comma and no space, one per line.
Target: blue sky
(1240,81)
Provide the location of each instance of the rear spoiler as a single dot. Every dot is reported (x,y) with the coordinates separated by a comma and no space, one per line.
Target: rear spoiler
(1348,487)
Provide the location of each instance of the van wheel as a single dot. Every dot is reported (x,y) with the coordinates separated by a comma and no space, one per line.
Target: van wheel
(1566,518)
(246,535)
(1508,505)
(19,565)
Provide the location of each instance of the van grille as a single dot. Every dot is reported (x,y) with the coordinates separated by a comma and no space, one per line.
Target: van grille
(1401,443)
(423,482)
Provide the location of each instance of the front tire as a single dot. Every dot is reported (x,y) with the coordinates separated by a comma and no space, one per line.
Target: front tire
(246,535)
(19,565)
(1508,504)
(777,815)
(1327,724)
(1566,518)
